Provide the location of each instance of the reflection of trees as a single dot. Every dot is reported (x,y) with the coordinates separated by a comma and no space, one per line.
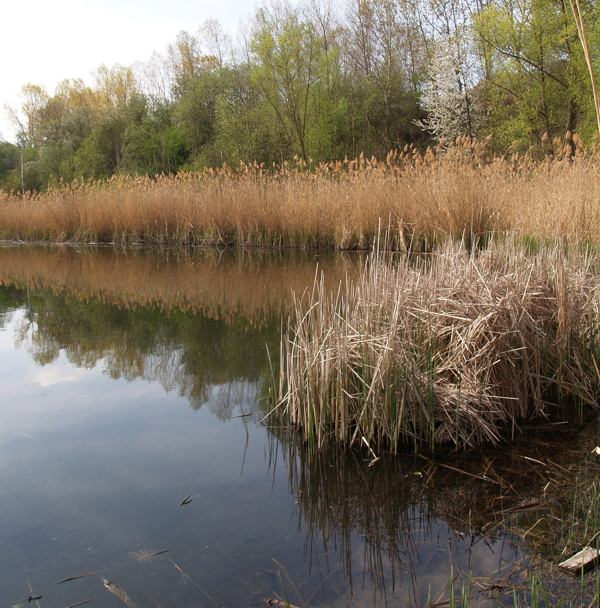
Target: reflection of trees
(186,352)
(191,319)
(10,299)
(521,494)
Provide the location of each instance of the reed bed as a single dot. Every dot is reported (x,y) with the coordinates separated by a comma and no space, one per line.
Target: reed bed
(459,190)
(450,348)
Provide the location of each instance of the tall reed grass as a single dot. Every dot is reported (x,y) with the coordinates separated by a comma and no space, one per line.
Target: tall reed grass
(450,348)
(459,190)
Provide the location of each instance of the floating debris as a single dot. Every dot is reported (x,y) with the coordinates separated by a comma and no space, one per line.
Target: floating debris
(273,602)
(585,560)
(116,590)
(137,559)
(186,501)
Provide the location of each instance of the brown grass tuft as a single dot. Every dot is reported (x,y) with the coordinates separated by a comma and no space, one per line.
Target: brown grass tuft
(449,348)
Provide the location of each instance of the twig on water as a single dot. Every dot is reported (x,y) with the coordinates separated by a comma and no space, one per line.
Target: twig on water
(137,559)
(185,501)
(71,422)
(521,508)
(24,434)
(532,527)
(193,582)
(274,602)
(438,600)
(447,466)
(32,597)
(433,469)
(289,579)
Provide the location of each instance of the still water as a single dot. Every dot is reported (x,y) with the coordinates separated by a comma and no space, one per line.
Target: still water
(134,381)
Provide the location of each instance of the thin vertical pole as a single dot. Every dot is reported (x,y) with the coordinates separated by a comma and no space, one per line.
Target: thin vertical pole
(576,8)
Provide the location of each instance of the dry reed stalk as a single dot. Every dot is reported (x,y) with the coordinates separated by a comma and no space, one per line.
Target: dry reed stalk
(451,348)
(461,191)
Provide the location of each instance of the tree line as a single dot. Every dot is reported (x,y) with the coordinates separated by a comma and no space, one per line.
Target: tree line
(319,81)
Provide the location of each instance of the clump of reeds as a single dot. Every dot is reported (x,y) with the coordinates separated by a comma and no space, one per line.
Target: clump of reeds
(453,347)
(459,189)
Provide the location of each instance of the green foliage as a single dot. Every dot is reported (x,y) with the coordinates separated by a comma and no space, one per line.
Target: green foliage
(244,125)
(195,108)
(314,82)
(536,82)
(10,158)
(287,61)
(93,159)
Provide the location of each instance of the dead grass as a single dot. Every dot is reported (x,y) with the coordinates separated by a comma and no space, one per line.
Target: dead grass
(450,348)
(454,347)
(461,191)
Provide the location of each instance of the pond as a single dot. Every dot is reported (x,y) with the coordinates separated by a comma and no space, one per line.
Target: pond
(135,467)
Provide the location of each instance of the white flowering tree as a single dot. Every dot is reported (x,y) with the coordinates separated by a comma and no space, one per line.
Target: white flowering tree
(445,97)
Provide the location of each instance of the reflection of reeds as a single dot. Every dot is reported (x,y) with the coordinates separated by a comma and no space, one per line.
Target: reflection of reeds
(460,191)
(219,284)
(191,319)
(448,350)
(339,496)
(519,495)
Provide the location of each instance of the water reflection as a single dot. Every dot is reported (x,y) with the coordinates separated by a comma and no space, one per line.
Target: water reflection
(100,446)
(189,319)
(187,353)
(221,284)
(494,519)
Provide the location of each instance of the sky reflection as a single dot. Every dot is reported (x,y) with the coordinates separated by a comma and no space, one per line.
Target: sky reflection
(112,412)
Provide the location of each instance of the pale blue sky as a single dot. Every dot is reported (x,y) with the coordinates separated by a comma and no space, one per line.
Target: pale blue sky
(43,42)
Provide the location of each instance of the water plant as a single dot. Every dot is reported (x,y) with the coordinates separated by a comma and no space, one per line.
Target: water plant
(455,347)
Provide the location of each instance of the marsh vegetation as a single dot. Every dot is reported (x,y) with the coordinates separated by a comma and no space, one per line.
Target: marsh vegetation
(473,320)
(461,191)
(455,347)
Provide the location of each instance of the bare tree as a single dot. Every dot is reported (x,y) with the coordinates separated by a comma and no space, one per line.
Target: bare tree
(28,118)
(155,76)
(215,40)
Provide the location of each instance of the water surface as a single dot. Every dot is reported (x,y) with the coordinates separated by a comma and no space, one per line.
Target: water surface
(134,378)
